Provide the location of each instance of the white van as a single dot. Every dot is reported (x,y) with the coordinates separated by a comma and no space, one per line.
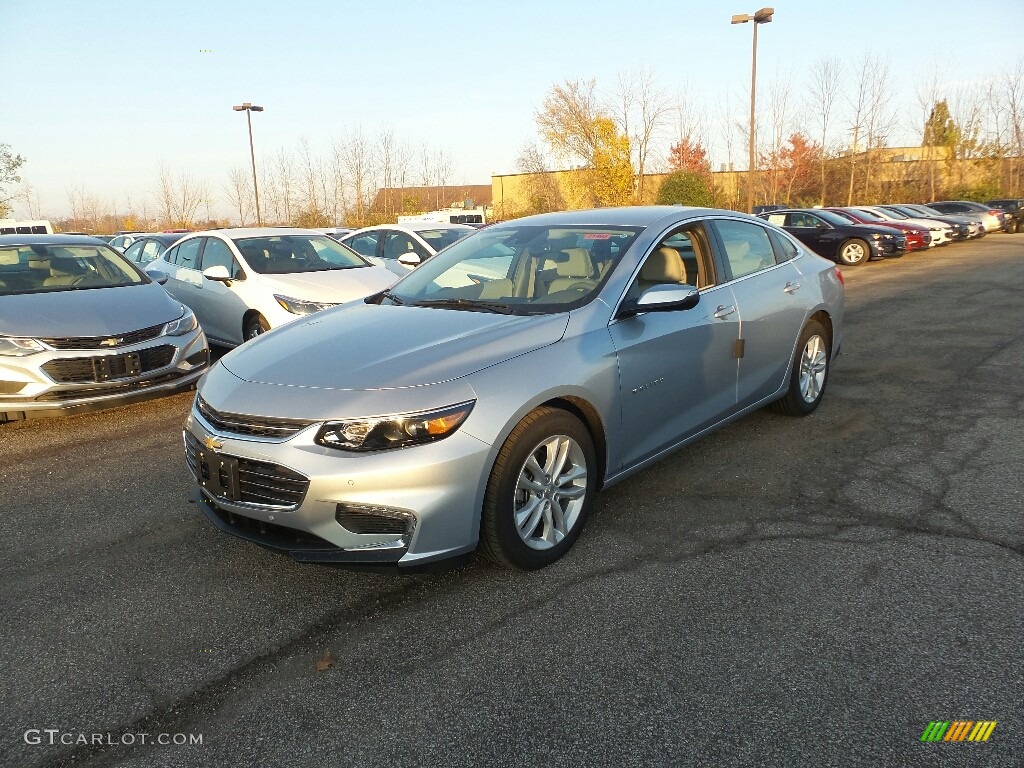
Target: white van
(471,216)
(14,227)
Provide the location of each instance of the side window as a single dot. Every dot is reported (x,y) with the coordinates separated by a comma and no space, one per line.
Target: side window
(398,243)
(188,254)
(681,258)
(365,244)
(783,246)
(802,220)
(778,219)
(747,247)
(134,252)
(217,254)
(150,250)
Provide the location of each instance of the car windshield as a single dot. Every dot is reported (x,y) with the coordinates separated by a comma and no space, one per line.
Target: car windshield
(869,215)
(846,217)
(527,269)
(442,238)
(288,254)
(894,213)
(50,268)
(832,217)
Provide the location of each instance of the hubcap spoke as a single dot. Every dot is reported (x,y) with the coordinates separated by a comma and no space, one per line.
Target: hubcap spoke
(528,516)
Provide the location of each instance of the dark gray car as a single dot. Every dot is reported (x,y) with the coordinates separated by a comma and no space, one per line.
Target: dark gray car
(487,396)
(81,328)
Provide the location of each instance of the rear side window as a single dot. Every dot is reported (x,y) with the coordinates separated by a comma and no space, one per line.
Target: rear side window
(747,247)
(365,244)
(187,255)
(783,246)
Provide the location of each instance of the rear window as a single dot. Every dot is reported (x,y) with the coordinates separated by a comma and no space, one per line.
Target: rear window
(53,268)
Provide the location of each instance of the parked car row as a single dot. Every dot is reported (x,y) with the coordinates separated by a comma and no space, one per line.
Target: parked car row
(856,234)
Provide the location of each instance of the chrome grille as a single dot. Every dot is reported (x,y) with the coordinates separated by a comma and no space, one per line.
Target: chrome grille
(252,426)
(259,482)
(111,341)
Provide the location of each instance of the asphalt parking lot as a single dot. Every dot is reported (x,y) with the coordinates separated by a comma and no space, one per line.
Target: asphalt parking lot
(791,592)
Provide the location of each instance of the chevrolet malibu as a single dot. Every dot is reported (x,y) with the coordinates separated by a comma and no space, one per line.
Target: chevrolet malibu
(81,328)
(483,400)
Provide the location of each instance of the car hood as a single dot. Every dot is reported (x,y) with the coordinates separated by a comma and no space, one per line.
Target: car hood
(333,285)
(370,346)
(91,312)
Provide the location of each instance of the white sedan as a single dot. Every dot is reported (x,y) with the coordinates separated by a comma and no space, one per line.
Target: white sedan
(242,282)
(400,247)
(942,234)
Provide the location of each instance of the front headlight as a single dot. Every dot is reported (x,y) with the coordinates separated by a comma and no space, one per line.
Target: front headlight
(887,237)
(383,432)
(184,324)
(15,347)
(301,306)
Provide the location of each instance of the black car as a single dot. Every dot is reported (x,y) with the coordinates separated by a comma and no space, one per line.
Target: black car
(834,237)
(149,247)
(1014,208)
(759,209)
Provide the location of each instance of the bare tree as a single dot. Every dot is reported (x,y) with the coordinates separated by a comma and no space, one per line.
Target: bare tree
(1013,78)
(643,112)
(826,75)
(240,194)
(355,158)
(779,119)
(859,104)
(442,174)
(879,118)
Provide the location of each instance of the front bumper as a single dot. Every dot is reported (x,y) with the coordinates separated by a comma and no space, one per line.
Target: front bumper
(889,249)
(67,381)
(292,495)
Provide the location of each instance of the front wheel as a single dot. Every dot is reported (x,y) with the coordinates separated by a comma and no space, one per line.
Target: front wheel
(809,375)
(254,326)
(540,491)
(854,253)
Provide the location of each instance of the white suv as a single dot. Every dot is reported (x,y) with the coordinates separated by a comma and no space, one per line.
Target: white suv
(242,282)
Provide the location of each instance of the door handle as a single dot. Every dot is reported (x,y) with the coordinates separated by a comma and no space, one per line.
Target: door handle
(723,311)
(792,288)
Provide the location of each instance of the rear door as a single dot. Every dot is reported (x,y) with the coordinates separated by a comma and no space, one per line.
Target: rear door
(183,278)
(770,305)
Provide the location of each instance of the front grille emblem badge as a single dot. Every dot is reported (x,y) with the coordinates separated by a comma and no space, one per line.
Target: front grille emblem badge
(212,443)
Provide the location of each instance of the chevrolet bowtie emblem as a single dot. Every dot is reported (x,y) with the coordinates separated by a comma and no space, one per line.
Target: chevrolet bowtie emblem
(212,443)
(111,342)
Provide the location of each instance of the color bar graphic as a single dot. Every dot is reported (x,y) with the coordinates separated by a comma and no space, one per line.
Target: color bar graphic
(958,730)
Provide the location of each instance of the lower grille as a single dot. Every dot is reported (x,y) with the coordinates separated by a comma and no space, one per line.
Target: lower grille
(359,518)
(258,482)
(85,370)
(271,534)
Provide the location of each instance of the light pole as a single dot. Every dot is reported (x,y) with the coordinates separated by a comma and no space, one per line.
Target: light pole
(249,109)
(763,16)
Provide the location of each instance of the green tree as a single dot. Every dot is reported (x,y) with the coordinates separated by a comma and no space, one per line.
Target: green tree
(685,188)
(940,130)
(9,165)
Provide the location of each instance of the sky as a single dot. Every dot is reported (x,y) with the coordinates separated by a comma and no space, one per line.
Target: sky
(101,92)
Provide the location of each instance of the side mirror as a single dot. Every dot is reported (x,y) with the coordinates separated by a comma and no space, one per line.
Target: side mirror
(218,273)
(822,225)
(409,259)
(162,280)
(669,297)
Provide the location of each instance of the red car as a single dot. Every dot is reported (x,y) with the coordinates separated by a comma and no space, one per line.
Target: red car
(917,237)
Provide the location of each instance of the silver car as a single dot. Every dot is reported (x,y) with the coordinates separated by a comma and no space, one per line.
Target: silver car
(81,328)
(486,397)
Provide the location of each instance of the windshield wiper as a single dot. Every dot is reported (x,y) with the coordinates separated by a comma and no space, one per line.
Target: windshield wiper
(386,293)
(471,304)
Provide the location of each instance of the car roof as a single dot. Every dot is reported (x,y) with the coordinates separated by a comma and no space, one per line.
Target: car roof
(50,240)
(630,216)
(239,232)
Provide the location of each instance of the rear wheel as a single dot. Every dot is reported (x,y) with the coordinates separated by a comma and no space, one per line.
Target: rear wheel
(1012,227)
(854,252)
(809,376)
(540,491)
(254,326)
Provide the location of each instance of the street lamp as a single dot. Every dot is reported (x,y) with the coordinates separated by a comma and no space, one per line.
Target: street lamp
(249,109)
(763,16)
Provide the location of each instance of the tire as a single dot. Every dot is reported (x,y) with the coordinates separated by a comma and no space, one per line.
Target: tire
(854,252)
(812,363)
(254,326)
(1012,227)
(519,525)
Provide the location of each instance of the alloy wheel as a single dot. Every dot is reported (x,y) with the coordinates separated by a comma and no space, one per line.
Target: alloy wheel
(813,363)
(550,492)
